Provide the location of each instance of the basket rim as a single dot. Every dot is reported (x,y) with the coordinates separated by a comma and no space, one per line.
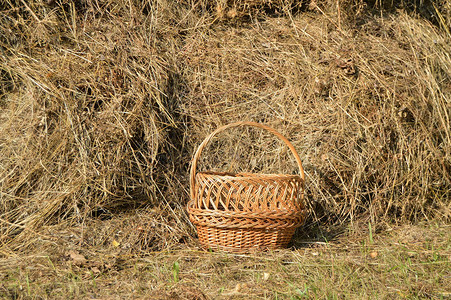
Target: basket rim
(282,214)
(244,176)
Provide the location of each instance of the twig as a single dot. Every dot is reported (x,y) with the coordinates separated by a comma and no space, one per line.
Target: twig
(32,13)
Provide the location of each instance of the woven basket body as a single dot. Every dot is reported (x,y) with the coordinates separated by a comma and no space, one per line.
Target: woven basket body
(245,212)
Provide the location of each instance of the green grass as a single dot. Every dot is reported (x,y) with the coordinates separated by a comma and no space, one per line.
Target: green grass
(405,263)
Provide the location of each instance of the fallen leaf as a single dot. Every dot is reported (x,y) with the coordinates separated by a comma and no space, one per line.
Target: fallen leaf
(116,244)
(77,258)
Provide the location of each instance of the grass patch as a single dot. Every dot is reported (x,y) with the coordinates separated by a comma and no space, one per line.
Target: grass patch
(408,262)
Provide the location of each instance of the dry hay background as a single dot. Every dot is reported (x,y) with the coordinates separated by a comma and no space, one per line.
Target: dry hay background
(103,103)
(86,116)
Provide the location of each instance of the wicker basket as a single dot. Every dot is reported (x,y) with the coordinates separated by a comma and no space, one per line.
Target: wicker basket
(245,212)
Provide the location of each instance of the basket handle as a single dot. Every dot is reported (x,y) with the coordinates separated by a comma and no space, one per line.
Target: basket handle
(233,125)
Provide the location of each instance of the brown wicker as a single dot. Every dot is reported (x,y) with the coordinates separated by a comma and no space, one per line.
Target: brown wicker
(245,212)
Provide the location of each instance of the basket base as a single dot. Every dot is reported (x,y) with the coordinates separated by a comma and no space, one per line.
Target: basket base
(243,240)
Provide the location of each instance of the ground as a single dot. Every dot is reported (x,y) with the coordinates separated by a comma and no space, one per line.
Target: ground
(405,262)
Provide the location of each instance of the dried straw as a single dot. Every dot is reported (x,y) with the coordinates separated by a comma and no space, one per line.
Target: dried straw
(103,102)
(367,107)
(85,115)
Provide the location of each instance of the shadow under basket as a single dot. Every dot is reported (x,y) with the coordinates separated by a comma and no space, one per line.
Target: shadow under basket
(245,212)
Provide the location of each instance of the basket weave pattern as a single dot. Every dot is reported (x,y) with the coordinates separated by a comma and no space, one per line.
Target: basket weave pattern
(245,212)
(243,240)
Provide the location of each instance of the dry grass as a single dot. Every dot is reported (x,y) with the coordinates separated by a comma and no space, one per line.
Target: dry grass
(367,107)
(103,102)
(408,262)
(85,112)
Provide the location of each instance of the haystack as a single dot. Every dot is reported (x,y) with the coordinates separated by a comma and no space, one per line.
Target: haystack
(102,104)
(367,106)
(85,116)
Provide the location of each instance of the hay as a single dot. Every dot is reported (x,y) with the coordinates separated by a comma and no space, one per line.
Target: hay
(239,9)
(85,115)
(368,108)
(103,102)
